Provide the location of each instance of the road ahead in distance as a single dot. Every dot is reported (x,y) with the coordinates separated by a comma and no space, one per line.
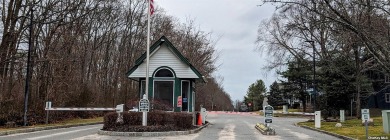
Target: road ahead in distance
(224,126)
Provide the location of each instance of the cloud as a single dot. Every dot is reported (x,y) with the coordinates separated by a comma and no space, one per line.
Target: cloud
(237,22)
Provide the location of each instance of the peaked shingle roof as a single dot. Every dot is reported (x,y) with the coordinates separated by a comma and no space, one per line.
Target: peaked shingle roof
(165,41)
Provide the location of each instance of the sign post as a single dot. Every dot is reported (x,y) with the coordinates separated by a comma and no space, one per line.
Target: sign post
(366,117)
(144,108)
(48,106)
(268,114)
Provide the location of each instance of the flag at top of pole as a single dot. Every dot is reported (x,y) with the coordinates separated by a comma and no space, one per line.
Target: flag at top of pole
(151,10)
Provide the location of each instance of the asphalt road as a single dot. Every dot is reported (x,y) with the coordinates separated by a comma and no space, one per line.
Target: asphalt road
(56,134)
(224,126)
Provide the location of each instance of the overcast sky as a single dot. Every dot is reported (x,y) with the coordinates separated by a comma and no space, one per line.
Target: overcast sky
(235,24)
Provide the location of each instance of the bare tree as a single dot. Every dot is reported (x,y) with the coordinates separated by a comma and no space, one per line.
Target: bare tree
(82,50)
(353,28)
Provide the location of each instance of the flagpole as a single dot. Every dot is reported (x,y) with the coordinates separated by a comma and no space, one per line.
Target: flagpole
(144,114)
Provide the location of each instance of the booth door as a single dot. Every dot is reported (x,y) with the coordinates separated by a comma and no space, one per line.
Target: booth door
(185,90)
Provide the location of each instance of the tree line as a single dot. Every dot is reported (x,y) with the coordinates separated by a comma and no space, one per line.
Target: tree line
(82,49)
(348,40)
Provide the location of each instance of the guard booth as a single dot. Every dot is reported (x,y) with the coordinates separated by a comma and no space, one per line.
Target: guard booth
(172,77)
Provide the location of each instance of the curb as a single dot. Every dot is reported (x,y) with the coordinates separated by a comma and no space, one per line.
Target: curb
(264,129)
(151,134)
(326,132)
(26,130)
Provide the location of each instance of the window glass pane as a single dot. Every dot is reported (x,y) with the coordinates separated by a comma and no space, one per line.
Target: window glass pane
(164,73)
(163,95)
(185,91)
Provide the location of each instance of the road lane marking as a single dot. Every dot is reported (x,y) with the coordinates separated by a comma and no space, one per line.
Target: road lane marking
(62,133)
(227,132)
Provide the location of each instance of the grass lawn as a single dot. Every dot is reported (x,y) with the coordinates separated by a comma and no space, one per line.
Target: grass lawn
(283,115)
(352,128)
(65,122)
(293,110)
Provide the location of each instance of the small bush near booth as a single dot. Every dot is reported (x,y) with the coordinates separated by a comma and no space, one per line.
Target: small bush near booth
(183,120)
(158,121)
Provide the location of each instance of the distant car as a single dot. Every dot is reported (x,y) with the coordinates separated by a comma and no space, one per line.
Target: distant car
(243,108)
(135,109)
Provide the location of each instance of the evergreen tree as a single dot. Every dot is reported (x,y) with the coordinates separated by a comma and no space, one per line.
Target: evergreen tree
(255,95)
(338,84)
(296,81)
(275,97)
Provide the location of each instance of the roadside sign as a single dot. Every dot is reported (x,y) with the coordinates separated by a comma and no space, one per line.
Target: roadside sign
(179,101)
(268,120)
(365,118)
(365,114)
(268,113)
(143,105)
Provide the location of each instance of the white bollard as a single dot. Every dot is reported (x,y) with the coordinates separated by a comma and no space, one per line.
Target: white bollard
(342,116)
(119,109)
(317,119)
(285,110)
(386,121)
(203,113)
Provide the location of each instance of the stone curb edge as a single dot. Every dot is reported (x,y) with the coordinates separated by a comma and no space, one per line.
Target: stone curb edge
(151,134)
(25,130)
(326,132)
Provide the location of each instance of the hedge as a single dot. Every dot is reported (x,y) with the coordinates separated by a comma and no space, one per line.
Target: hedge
(157,121)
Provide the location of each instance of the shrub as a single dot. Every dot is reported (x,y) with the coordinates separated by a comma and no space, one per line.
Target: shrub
(183,120)
(157,121)
(132,118)
(110,121)
(324,114)
(132,103)
(161,105)
(156,118)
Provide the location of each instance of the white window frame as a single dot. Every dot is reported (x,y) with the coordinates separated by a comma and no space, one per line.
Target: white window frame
(387,97)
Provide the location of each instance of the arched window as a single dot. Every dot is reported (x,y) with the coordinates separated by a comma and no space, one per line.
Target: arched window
(163,73)
(163,87)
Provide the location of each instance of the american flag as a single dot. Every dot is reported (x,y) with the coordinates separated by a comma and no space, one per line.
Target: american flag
(151,7)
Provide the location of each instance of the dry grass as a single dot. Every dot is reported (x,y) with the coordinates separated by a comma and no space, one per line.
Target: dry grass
(65,122)
(284,115)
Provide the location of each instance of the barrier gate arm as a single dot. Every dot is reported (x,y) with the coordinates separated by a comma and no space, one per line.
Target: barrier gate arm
(119,108)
